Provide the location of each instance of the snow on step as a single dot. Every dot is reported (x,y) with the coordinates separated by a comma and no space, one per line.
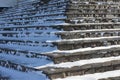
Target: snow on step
(70,44)
(100,53)
(95,76)
(29,38)
(30,62)
(59,72)
(30,34)
(15,75)
(39,48)
(75,34)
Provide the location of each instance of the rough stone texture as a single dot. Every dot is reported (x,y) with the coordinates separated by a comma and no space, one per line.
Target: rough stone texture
(58,57)
(72,15)
(81,70)
(69,45)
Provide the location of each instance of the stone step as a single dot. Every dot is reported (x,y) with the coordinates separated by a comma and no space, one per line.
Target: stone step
(81,54)
(108,75)
(88,33)
(63,56)
(90,26)
(91,68)
(80,62)
(71,44)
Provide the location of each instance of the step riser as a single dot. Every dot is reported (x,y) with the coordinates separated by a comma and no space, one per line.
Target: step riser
(31,43)
(86,69)
(88,27)
(82,44)
(14,43)
(82,56)
(79,35)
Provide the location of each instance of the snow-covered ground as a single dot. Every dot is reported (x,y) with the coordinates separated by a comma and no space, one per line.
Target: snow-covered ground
(16,75)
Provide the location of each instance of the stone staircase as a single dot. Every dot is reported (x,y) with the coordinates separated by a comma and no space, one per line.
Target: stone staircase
(73,49)
(63,44)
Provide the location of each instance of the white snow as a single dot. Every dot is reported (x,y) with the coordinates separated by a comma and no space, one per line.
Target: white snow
(16,75)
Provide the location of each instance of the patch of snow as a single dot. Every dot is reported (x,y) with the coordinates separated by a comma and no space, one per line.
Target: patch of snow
(28,48)
(29,62)
(16,75)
